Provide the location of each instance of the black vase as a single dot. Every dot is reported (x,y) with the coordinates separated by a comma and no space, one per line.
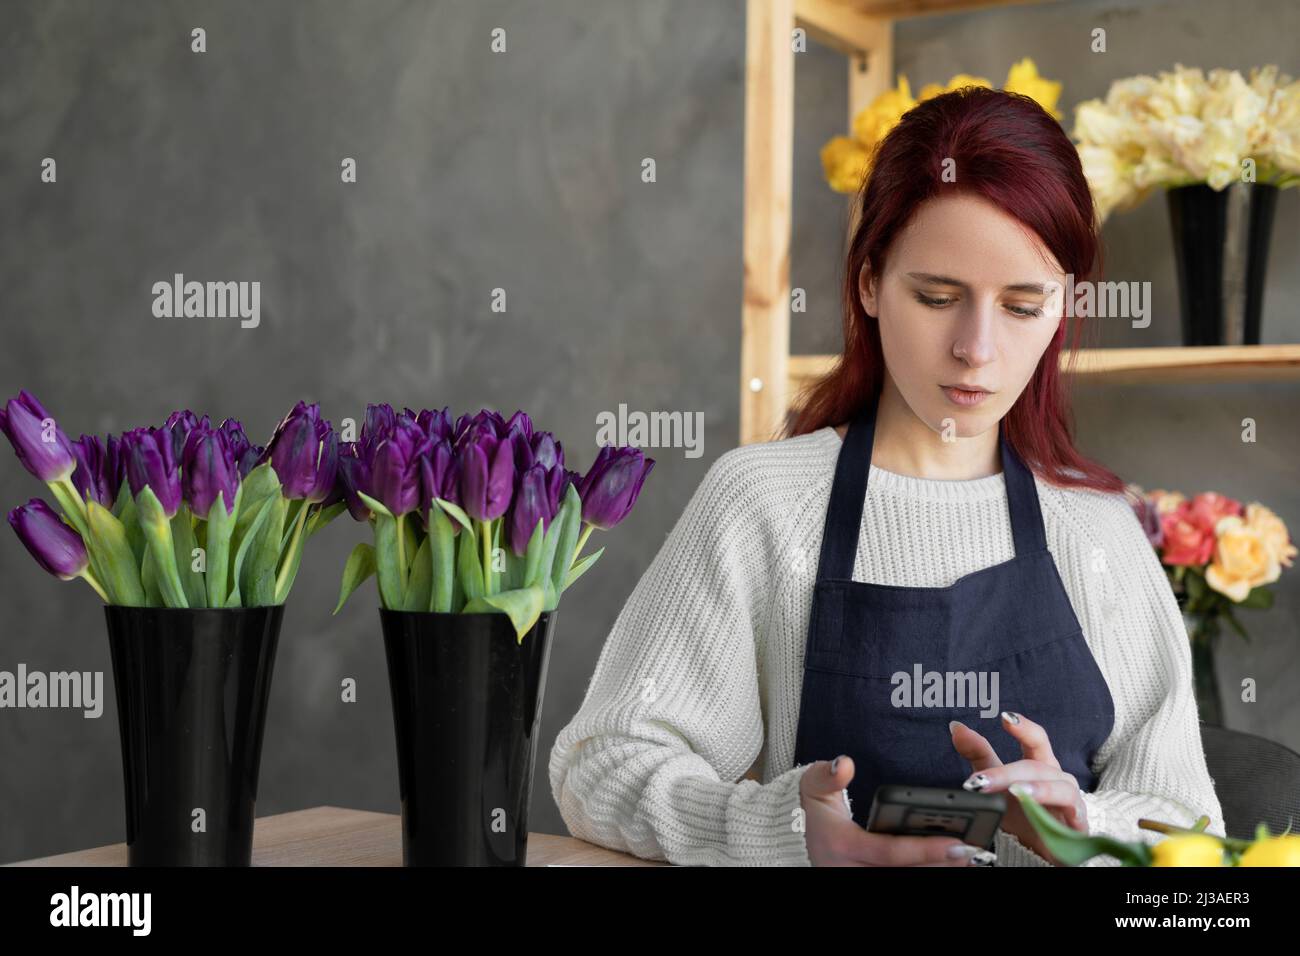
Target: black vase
(192,687)
(467,709)
(1221,240)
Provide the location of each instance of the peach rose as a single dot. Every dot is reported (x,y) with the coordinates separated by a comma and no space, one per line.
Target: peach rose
(1272,530)
(1242,559)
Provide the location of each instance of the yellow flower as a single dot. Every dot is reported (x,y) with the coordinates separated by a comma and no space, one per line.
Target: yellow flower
(1195,849)
(1242,559)
(872,124)
(1023,78)
(1273,851)
(1273,532)
(1166,501)
(845,163)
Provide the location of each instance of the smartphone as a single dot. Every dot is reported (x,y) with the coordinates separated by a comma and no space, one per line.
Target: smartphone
(936,811)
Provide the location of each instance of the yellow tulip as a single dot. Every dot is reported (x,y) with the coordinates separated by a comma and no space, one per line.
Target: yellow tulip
(1023,78)
(1273,851)
(1197,849)
(845,164)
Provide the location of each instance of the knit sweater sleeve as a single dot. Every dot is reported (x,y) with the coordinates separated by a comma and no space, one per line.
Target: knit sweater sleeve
(1153,765)
(652,762)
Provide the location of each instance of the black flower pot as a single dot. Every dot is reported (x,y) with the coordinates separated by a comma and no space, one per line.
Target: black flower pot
(467,709)
(1221,240)
(192,687)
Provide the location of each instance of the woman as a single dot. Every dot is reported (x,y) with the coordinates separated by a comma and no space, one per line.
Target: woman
(927,512)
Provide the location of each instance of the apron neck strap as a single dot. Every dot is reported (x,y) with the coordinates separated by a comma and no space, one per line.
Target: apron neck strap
(848,497)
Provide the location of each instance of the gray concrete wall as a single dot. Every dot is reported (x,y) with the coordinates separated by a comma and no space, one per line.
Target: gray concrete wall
(478,171)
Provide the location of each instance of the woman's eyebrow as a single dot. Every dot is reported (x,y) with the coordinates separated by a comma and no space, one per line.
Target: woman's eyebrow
(1035,287)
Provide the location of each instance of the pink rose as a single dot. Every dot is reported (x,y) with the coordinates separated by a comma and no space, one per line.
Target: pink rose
(1187,539)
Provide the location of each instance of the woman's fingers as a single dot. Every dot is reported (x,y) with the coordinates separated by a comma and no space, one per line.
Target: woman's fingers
(1031,736)
(1060,796)
(972,745)
(994,779)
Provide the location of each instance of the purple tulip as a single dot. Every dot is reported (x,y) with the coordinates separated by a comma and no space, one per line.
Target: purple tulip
(304,453)
(487,474)
(100,469)
(246,454)
(610,489)
(394,464)
(55,546)
(521,424)
(180,425)
(150,463)
(546,450)
(354,476)
(38,442)
(439,477)
(209,469)
(436,424)
(531,504)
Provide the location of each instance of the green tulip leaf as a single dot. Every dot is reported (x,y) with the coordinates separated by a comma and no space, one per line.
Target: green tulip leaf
(569,520)
(257,515)
(374,505)
(1071,847)
(456,512)
(579,569)
(220,527)
(158,533)
(121,575)
(523,605)
(469,569)
(533,556)
(387,562)
(361,564)
(184,541)
(257,579)
(419,586)
(443,559)
(323,516)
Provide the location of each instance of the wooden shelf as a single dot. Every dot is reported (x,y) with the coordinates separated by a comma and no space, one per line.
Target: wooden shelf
(1217,363)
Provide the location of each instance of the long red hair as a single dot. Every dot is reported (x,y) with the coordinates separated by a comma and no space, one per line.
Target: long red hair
(1010,151)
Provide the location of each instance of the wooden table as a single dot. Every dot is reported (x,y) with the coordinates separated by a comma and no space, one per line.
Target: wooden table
(336,836)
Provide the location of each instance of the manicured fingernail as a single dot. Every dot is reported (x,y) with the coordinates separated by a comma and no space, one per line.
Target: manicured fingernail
(953,725)
(962,851)
(984,858)
(1022,789)
(978,782)
(835,765)
(1011,718)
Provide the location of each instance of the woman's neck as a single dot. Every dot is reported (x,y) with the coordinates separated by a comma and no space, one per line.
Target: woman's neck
(906,445)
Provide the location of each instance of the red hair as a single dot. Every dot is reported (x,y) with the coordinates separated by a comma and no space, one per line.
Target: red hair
(1011,152)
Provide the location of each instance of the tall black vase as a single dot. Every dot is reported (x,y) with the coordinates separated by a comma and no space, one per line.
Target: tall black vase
(467,709)
(1221,240)
(192,687)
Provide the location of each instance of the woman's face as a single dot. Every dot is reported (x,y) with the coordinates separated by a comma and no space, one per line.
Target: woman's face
(971,298)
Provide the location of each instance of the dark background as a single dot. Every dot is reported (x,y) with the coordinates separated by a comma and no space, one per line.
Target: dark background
(478,171)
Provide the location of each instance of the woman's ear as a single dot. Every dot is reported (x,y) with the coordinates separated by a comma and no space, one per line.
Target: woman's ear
(867,290)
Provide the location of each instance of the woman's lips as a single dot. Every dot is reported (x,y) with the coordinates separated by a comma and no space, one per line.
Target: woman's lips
(959,396)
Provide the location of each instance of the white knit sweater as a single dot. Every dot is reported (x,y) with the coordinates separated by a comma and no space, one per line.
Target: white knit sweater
(699,681)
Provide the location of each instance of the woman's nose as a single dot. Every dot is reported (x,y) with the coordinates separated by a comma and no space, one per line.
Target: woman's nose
(975,344)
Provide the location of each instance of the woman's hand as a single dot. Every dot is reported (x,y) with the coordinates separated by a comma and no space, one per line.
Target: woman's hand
(834,839)
(1039,773)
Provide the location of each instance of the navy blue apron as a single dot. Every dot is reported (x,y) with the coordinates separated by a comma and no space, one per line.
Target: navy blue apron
(1014,618)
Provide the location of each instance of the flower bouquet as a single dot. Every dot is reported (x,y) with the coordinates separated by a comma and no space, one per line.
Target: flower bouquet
(1183,846)
(192,535)
(846,160)
(477,530)
(1219,555)
(1221,146)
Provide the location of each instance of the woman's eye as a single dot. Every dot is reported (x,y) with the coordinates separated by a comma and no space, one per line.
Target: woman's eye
(1027,313)
(935,303)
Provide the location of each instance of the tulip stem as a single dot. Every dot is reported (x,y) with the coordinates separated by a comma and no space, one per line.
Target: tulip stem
(485,536)
(293,545)
(91,580)
(587,529)
(401,549)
